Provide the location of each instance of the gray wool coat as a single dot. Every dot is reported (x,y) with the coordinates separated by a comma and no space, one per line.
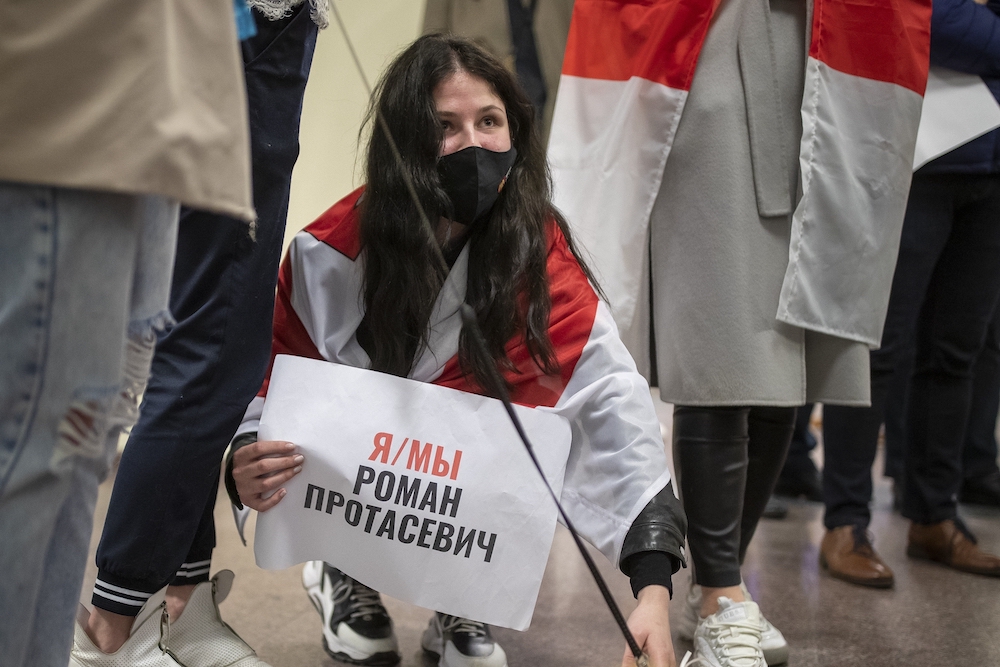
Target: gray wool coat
(721,224)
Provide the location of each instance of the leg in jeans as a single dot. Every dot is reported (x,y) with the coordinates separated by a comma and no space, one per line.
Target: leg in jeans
(84,278)
(850,435)
(951,331)
(159,527)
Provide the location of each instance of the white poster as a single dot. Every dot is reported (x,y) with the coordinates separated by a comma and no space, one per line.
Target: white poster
(422,492)
(957,108)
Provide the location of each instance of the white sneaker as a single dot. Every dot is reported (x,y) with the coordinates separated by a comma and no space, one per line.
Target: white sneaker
(146,646)
(730,637)
(356,627)
(772,642)
(200,638)
(462,643)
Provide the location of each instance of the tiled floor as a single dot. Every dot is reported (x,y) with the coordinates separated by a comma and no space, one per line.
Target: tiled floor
(934,617)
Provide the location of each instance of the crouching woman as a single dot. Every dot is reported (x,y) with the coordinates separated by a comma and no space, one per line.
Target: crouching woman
(371,284)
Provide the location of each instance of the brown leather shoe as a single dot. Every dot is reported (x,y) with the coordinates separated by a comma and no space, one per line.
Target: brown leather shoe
(847,553)
(950,542)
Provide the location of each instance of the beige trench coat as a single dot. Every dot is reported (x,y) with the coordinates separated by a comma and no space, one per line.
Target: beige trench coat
(133,96)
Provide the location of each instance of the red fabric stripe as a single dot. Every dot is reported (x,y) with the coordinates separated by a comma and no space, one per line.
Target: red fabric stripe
(657,40)
(574,307)
(884,40)
(338,226)
(289,334)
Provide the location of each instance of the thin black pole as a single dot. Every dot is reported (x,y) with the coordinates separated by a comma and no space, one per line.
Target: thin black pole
(499,389)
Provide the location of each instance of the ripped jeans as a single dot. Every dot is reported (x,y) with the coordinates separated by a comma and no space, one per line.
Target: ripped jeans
(84,283)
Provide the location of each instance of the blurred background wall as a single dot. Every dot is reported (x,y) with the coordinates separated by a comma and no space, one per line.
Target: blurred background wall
(328,166)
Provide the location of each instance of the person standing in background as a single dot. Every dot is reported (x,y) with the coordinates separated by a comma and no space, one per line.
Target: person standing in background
(944,293)
(204,372)
(719,246)
(528,36)
(743,200)
(109,121)
(980,473)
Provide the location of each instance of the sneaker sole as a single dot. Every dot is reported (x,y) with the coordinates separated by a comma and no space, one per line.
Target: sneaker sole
(387,658)
(317,605)
(432,647)
(440,656)
(776,656)
(435,647)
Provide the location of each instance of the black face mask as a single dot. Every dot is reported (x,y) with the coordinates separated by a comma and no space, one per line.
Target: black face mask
(473,178)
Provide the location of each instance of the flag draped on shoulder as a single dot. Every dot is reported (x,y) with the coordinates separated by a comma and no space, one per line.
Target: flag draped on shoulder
(865,80)
(617,462)
(627,72)
(626,75)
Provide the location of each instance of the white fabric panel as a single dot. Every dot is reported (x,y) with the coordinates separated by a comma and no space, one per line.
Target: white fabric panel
(858,139)
(617,462)
(326,295)
(608,145)
(445,323)
(958,107)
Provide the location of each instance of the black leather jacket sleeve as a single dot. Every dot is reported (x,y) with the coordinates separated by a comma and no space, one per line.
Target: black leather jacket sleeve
(660,527)
(239,441)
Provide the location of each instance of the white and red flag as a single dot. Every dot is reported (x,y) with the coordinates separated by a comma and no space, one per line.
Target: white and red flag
(627,71)
(616,462)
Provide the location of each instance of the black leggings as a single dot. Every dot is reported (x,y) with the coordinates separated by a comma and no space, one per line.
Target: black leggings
(727,461)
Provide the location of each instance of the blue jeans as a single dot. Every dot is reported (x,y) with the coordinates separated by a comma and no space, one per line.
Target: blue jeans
(944,291)
(84,280)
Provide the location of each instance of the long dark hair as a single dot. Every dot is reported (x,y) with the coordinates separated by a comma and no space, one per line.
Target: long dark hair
(508,281)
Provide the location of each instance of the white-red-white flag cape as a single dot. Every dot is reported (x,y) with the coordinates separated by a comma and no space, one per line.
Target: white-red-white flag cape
(616,463)
(626,75)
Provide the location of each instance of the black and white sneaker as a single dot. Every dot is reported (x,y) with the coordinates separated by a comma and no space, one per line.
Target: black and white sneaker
(356,627)
(462,643)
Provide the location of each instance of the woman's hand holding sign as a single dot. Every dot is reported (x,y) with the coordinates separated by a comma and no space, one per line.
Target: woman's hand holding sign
(261,467)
